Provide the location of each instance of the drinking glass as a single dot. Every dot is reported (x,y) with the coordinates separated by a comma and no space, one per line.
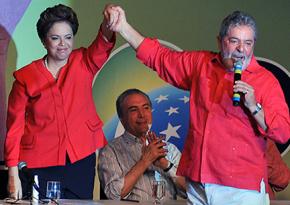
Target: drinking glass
(158,191)
(53,190)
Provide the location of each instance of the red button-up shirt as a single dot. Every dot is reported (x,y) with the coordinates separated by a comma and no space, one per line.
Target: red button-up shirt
(224,143)
(48,118)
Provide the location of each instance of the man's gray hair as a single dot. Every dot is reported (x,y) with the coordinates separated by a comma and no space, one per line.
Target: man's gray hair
(124,95)
(237,18)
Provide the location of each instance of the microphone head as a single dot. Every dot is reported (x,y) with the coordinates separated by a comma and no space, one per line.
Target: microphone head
(21,165)
(238,65)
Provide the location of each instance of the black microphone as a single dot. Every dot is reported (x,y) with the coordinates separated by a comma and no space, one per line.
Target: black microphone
(22,166)
(238,65)
(27,180)
(29,183)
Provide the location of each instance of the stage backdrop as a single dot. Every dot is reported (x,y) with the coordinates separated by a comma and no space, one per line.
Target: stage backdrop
(186,25)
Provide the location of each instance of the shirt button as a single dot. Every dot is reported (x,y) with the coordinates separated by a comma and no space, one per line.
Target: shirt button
(234,149)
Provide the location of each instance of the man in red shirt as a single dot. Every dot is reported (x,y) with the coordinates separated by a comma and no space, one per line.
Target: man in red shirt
(224,155)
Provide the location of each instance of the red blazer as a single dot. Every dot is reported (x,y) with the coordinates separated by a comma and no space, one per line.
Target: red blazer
(48,118)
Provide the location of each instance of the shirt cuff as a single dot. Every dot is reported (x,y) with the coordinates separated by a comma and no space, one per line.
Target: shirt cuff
(104,41)
(11,163)
(145,49)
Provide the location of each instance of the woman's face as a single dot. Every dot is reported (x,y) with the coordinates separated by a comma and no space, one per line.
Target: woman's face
(59,41)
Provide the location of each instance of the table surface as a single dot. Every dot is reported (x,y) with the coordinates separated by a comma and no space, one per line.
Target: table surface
(111,202)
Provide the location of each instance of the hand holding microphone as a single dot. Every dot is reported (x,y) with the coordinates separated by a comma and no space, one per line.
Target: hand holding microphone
(242,89)
(236,66)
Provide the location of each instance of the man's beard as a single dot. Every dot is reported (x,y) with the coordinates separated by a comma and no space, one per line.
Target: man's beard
(230,58)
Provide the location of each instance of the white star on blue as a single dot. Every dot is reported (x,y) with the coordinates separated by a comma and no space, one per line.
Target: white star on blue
(172,110)
(171,131)
(161,98)
(185,99)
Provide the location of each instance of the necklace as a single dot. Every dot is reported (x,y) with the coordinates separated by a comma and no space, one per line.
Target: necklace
(45,62)
(53,72)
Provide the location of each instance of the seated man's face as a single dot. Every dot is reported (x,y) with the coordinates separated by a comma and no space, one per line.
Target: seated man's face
(137,114)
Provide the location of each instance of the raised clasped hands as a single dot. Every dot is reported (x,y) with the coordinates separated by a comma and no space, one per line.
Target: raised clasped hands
(114,17)
(154,151)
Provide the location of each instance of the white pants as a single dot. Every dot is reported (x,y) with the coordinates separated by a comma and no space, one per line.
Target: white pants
(214,194)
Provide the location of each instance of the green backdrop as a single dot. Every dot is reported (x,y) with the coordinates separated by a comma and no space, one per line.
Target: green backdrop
(188,24)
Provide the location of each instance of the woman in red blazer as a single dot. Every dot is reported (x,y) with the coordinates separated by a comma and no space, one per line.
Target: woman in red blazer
(52,123)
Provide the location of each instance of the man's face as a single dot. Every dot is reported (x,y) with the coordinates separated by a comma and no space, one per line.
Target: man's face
(238,44)
(137,116)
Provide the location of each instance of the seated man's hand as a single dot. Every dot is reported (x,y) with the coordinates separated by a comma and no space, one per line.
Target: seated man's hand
(154,150)
(160,161)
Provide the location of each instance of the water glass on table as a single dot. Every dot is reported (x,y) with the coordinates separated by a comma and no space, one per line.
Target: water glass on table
(53,190)
(158,191)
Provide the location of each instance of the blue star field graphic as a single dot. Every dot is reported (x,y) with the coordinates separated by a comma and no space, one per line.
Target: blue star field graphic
(170,116)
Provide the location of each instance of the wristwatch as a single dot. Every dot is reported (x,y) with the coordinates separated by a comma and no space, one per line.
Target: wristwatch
(258,108)
(169,167)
